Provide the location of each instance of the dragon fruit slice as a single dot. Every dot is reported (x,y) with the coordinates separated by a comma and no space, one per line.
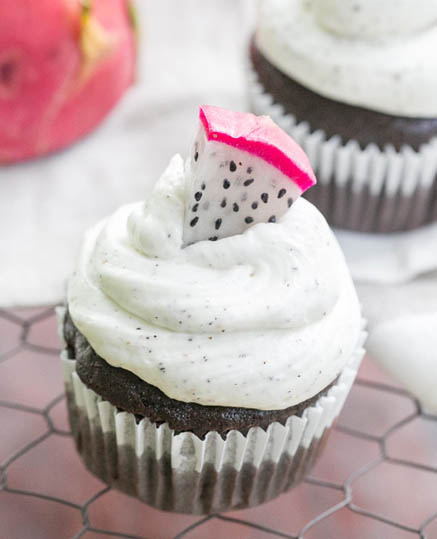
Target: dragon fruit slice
(244,170)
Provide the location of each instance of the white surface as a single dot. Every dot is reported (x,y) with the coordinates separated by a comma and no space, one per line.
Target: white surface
(390,259)
(396,279)
(46,205)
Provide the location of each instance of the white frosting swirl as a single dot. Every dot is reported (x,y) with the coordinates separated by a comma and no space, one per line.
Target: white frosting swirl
(368,53)
(375,18)
(264,319)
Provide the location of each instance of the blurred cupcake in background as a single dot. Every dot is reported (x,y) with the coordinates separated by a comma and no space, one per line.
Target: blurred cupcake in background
(355,83)
(63,66)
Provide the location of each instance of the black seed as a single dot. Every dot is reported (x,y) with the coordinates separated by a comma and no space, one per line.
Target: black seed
(290,202)
(205,205)
(198,196)
(213,238)
(226,184)
(254,205)
(194,221)
(218,224)
(265,198)
(232,166)
(249,170)
(282,193)
(194,208)
(272,219)
(196,156)
(244,197)
(223,203)
(235,207)
(249,220)
(248,182)
(203,186)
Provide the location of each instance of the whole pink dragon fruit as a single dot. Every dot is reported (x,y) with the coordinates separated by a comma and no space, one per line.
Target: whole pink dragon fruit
(63,66)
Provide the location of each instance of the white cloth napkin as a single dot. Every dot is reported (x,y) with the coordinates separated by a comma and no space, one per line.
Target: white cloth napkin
(193,52)
(396,279)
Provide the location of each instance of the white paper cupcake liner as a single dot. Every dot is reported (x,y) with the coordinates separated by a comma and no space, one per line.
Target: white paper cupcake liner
(370,189)
(183,473)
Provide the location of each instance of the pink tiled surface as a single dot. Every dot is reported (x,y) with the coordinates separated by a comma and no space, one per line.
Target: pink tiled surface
(377,478)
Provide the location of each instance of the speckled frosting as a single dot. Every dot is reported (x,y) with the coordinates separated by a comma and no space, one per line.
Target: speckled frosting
(367,53)
(264,319)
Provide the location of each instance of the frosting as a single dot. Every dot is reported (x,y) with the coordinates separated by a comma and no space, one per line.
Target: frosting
(377,55)
(263,319)
(375,18)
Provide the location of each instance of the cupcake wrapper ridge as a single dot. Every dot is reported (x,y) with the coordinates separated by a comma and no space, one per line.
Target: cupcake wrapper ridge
(370,189)
(182,473)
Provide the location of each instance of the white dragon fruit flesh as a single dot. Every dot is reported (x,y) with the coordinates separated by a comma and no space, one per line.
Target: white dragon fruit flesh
(243,170)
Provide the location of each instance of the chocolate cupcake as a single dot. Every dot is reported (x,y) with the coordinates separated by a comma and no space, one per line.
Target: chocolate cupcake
(213,332)
(355,83)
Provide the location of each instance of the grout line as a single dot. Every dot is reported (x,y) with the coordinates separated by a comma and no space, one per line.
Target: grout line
(193,526)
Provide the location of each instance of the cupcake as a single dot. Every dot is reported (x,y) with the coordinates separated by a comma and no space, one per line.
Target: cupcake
(212,333)
(354,82)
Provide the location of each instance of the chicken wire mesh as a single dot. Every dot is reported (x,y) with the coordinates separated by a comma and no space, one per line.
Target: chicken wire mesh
(375,479)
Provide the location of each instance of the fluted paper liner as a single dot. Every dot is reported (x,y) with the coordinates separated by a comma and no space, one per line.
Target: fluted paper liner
(370,189)
(182,473)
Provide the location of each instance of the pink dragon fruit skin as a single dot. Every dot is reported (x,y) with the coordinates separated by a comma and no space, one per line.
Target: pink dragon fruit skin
(56,82)
(260,136)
